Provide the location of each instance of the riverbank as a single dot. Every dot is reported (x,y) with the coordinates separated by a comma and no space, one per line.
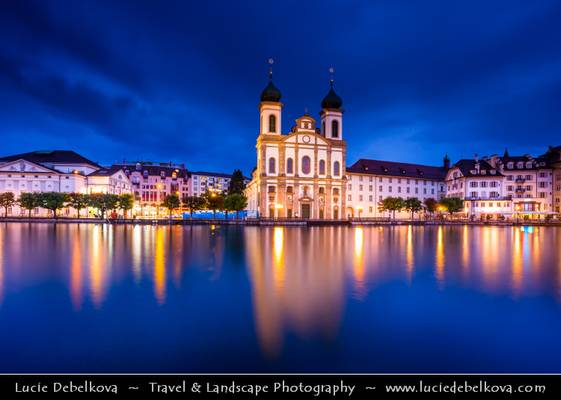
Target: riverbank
(271,222)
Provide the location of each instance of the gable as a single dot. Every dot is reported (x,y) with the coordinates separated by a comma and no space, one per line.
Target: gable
(306,138)
(22,165)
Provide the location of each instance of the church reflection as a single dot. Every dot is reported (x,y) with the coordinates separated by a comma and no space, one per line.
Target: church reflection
(297,284)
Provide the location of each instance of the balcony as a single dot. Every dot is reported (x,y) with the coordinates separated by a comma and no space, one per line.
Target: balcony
(488,198)
(520,180)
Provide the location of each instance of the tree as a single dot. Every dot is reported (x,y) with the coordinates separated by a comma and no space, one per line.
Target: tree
(78,201)
(214,201)
(452,204)
(194,203)
(430,205)
(7,200)
(235,202)
(29,201)
(392,204)
(53,201)
(125,203)
(171,202)
(413,205)
(103,202)
(237,184)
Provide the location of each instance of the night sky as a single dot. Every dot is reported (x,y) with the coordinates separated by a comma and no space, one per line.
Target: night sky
(180,81)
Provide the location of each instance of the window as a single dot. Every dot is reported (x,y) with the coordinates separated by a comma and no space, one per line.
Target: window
(272,165)
(336,168)
(335,128)
(289,166)
(322,167)
(306,165)
(272,123)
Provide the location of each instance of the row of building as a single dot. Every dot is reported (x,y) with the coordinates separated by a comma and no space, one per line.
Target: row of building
(69,172)
(302,174)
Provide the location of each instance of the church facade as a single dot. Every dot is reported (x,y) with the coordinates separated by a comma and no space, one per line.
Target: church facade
(299,174)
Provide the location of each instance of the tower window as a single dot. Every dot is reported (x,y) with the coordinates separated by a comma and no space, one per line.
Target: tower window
(272,165)
(322,167)
(323,128)
(336,168)
(289,166)
(335,128)
(272,123)
(306,165)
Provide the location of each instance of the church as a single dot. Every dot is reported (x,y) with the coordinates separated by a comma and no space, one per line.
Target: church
(300,174)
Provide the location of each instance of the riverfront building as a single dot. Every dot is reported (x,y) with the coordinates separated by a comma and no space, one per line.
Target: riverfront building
(300,173)
(200,182)
(303,173)
(507,186)
(58,171)
(152,182)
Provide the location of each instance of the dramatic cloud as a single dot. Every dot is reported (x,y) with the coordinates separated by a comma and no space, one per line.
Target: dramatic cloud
(180,81)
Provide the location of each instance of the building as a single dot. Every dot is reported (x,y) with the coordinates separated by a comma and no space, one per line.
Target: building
(300,173)
(369,182)
(505,187)
(200,182)
(553,159)
(152,182)
(58,171)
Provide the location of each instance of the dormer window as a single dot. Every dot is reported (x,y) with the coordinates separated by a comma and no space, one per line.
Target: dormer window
(529,164)
(493,172)
(520,165)
(510,165)
(483,172)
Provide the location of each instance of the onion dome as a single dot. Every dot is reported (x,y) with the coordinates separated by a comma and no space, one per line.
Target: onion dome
(271,92)
(332,99)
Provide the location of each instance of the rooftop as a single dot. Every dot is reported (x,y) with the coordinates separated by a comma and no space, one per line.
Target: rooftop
(397,169)
(51,157)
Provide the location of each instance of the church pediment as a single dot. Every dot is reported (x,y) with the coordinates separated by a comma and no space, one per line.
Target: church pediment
(306,138)
(22,165)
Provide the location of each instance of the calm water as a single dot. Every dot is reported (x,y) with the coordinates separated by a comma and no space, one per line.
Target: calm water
(179,299)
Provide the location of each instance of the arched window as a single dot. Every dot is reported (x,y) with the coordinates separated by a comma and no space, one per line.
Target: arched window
(323,128)
(335,128)
(322,167)
(336,168)
(272,165)
(289,166)
(306,165)
(272,123)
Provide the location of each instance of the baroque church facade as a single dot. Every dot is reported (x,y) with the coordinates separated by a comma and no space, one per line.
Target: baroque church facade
(299,174)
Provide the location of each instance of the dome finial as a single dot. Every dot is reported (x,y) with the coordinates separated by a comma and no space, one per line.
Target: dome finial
(331,78)
(271,92)
(270,61)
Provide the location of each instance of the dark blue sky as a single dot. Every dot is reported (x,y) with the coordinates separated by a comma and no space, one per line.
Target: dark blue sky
(181,81)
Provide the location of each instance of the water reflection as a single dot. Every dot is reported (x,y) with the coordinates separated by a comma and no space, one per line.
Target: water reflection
(301,281)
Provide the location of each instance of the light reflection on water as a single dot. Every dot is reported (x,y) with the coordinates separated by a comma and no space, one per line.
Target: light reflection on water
(291,289)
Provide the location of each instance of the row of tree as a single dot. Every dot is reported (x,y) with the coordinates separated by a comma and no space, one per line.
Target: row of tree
(214,201)
(414,205)
(54,201)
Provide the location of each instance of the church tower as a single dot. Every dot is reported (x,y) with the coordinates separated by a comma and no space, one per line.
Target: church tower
(332,114)
(270,108)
